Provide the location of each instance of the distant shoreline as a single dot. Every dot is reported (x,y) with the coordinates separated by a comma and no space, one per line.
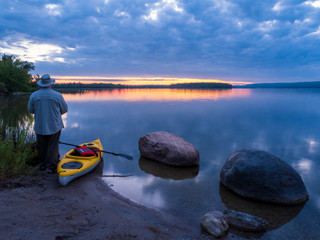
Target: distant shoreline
(186,86)
(203,86)
(120,86)
(281,85)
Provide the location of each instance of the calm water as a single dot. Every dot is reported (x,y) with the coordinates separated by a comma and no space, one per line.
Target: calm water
(284,122)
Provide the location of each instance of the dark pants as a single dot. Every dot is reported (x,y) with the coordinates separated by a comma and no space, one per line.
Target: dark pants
(48,149)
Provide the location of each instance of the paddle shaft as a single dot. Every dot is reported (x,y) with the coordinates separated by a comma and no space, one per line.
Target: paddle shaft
(116,154)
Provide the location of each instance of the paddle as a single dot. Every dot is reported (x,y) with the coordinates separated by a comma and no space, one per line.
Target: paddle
(116,154)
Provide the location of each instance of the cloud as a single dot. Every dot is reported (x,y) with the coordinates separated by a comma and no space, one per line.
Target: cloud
(30,50)
(122,14)
(278,6)
(53,9)
(159,10)
(315,4)
(315,33)
(239,40)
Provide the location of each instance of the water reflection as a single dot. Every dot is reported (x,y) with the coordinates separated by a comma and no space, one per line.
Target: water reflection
(14,113)
(317,199)
(275,215)
(167,172)
(136,192)
(154,95)
(313,145)
(218,123)
(303,166)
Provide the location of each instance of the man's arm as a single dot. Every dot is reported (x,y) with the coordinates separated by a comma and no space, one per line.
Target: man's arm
(63,106)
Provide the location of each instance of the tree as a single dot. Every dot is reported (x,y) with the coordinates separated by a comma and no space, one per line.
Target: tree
(14,74)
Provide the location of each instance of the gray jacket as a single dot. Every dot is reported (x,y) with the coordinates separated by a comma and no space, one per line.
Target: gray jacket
(47,106)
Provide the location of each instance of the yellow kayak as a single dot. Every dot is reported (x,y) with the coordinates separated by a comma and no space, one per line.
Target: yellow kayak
(72,165)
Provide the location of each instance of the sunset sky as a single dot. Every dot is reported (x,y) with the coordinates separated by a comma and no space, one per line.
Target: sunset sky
(156,40)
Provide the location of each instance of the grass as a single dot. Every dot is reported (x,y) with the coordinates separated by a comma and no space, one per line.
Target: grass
(18,154)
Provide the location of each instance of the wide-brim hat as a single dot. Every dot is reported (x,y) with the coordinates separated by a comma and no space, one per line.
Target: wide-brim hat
(46,81)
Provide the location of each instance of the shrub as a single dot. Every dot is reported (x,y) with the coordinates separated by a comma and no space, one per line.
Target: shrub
(18,154)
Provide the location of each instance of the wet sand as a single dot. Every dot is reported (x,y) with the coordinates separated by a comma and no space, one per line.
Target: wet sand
(38,207)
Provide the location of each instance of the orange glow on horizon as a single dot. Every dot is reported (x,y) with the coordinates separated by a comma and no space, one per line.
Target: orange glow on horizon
(131,95)
(139,80)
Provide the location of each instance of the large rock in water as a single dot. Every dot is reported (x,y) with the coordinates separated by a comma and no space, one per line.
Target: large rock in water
(261,176)
(169,149)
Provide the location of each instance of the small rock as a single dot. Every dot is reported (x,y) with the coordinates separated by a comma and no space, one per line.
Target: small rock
(245,222)
(215,223)
(168,148)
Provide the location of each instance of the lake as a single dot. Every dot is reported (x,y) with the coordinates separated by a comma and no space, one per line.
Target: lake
(283,122)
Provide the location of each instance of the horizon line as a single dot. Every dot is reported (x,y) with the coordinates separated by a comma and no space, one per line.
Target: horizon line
(141,80)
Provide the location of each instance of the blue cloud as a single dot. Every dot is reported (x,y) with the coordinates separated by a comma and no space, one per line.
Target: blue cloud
(243,40)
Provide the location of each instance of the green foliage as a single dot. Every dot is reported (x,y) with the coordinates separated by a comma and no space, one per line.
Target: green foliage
(3,87)
(14,74)
(18,154)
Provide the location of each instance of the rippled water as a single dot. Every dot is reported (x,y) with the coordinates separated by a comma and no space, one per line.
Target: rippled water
(284,122)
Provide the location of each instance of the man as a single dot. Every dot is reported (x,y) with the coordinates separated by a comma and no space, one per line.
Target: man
(47,106)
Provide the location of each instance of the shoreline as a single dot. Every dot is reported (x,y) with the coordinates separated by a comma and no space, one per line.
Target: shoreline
(38,207)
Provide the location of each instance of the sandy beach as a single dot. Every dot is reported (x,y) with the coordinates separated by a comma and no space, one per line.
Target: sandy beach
(38,207)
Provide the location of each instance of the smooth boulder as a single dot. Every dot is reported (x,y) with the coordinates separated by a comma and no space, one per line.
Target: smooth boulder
(168,148)
(259,175)
(215,223)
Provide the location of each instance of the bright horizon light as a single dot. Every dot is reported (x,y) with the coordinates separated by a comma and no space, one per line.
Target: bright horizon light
(140,80)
